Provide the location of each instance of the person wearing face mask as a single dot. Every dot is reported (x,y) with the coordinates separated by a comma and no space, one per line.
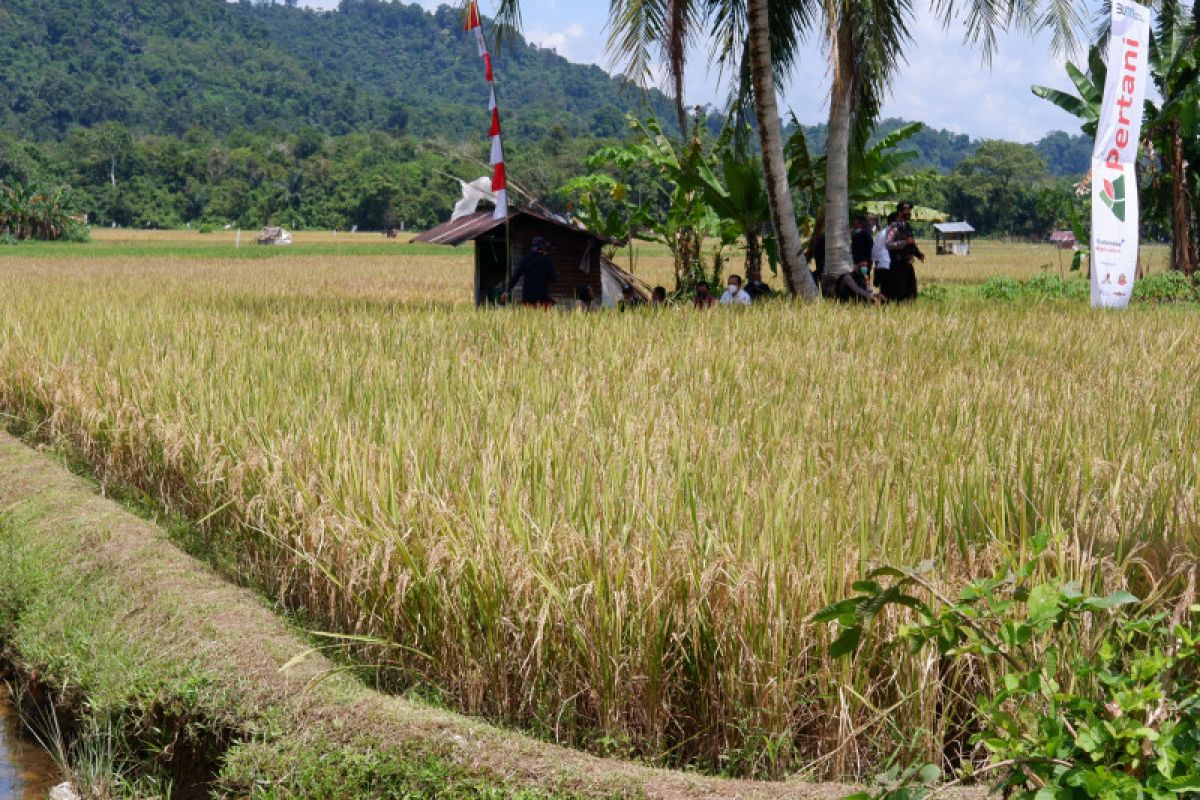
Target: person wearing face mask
(881,256)
(735,295)
(902,246)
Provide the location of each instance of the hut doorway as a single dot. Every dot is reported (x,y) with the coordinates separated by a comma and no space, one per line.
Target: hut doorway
(491,267)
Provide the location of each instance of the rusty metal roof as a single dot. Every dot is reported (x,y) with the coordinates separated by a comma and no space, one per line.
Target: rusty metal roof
(472,226)
(460,230)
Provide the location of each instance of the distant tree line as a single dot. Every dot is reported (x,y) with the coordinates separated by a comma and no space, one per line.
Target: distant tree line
(309,179)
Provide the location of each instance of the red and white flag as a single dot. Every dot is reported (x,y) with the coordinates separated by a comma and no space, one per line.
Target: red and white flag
(499,176)
(475,24)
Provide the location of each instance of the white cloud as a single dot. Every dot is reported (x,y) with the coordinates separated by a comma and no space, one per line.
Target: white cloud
(560,41)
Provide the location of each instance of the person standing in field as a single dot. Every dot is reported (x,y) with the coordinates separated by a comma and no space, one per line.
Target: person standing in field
(735,295)
(538,271)
(704,298)
(902,247)
(861,243)
(881,256)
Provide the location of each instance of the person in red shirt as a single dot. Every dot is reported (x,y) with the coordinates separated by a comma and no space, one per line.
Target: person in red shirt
(704,298)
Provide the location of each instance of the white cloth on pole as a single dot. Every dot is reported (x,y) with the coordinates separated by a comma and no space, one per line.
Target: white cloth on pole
(474,193)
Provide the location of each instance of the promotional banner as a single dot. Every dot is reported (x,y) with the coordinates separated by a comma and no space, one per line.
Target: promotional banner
(1114,185)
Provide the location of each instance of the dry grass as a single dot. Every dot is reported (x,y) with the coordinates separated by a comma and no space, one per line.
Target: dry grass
(611,529)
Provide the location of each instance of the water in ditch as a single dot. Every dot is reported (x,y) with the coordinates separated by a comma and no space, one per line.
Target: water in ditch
(26,771)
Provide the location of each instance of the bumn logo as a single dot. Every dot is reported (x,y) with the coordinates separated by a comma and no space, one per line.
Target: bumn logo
(1114,197)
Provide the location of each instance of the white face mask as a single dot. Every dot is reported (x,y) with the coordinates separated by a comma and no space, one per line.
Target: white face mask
(734,288)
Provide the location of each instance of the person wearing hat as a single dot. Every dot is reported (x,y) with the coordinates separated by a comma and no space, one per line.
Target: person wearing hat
(538,271)
(902,247)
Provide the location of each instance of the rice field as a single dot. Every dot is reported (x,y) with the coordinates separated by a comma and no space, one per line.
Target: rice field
(611,530)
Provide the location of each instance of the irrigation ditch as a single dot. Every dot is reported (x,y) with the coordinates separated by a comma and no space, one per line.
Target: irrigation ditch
(26,769)
(193,685)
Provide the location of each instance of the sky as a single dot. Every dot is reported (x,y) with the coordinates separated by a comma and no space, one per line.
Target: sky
(944,82)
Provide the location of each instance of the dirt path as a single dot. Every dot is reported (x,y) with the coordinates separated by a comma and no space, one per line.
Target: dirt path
(180,611)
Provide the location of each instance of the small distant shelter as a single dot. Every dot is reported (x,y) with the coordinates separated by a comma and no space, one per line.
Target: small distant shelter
(500,244)
(1063,240)
(952,238)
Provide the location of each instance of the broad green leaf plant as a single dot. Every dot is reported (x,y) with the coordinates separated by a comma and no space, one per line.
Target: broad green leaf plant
(1101,694)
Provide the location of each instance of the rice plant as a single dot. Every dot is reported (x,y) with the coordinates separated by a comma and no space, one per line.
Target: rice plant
(612,530)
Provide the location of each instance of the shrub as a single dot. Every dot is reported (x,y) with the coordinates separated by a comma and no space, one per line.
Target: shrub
(79,234)
(1166,287)
(1046,284)
(935,293)
(1001,287)
(206,227)
(1079,289)
(1096,702)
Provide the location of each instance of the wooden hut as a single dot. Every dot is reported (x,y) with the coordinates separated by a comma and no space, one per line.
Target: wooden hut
(952,238)
(1063,240)
(501,244)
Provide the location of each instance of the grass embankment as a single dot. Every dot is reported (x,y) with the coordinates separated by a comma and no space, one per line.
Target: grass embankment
(183,673)
(612,530)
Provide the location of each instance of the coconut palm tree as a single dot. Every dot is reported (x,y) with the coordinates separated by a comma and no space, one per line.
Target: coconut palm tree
(761,40)
(763,36)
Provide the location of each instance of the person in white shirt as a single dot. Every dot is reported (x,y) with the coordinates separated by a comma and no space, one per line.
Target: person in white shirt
(881,256)
(735,295)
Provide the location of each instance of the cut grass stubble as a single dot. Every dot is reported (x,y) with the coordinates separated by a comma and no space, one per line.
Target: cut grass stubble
(612,529)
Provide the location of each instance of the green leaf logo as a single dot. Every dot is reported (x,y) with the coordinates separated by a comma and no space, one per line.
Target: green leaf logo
(1113,196)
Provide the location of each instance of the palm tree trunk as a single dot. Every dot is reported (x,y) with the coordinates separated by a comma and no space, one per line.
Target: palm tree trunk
(1181,211)
(837,162)
(753,253)
(770,131)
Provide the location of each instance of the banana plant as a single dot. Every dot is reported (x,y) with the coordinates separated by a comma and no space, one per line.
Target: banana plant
(28,213)
(738,195)
(874,172)
(676,214)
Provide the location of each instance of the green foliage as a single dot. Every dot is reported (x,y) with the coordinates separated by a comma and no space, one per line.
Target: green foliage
(1167,287)
(682,203)
(1101,696)
(167,68)
(935,293)
(1046,284)
(1004,187)
(1001,287)
(250,180)
(876,173)
(38,213)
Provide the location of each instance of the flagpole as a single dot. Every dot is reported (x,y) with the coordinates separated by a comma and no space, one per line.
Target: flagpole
(499,173)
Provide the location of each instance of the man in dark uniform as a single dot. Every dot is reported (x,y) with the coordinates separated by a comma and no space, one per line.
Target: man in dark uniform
(902,246)
(861,242)
(538,271)
(755,287)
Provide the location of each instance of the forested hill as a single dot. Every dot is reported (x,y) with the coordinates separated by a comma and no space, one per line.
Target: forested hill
(167,66)
(1066,155)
